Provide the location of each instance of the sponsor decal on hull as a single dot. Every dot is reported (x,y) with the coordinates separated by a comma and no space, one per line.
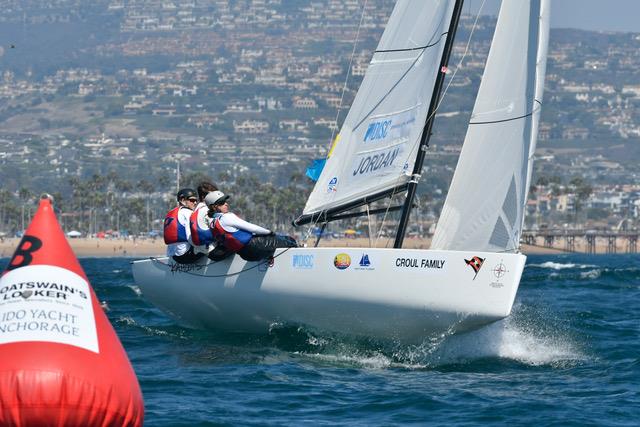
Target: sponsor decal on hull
(302,261)
(475,263)
(342,261)
(499,271)
(420,264)
(365,263)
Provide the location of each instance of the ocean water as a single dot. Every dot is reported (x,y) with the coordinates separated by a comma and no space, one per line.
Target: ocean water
(569,355)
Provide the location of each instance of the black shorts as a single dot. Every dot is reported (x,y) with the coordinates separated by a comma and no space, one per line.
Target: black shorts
(263,247)
(188,257)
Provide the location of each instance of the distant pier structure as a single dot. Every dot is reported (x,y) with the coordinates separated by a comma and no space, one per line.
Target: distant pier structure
(584,241)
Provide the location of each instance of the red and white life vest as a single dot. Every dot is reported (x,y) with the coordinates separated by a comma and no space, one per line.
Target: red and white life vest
(174,230)
(199,236)
(233,241)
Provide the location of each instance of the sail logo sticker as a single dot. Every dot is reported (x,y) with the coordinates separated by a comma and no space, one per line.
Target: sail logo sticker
(377,131)
(476,264)
(391,128)
(333,185)
(302,262)
(342,261)
(365,263)
(376,162)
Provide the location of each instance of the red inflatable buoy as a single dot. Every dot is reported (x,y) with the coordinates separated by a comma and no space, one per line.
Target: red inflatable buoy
(61,362)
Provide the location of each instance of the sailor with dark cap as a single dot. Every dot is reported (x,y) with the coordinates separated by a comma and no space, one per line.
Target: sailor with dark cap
(235,235)
(176,228)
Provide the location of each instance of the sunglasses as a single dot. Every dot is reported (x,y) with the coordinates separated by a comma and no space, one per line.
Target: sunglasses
(193,200)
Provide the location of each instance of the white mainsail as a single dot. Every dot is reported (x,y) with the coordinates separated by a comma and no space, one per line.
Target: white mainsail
(484,209)
(378,143)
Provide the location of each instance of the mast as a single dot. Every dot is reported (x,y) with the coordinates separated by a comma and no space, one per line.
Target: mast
(426,132)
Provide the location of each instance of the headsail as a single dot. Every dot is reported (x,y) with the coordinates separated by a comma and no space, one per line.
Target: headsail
(378,143)
(485,205)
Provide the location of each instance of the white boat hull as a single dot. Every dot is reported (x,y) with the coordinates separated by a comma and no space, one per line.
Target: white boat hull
(398,294)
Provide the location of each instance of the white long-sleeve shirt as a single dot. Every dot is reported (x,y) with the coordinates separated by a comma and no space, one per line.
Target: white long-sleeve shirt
(232,222)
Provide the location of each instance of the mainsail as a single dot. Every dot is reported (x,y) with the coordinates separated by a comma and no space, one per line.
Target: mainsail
(376,148)
(484,209)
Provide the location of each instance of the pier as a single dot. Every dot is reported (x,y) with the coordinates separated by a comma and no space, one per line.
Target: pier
(584,241)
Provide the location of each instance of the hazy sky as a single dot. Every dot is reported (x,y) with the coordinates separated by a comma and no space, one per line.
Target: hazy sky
(605,15)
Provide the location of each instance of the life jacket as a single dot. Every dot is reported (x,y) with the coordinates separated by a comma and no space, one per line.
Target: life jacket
(174,231)
(199,236)
(233,241)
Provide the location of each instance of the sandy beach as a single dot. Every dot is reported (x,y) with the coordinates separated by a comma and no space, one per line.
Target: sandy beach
(139,248)
(87,247)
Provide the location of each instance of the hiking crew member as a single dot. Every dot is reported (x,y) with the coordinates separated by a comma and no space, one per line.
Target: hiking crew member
(201,235)
(177,232)
(235,235)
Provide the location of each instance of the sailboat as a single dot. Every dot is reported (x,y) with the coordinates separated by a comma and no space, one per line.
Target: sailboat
(470,276)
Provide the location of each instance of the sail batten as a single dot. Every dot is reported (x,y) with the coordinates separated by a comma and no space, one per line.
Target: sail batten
(378,143)
(485,206)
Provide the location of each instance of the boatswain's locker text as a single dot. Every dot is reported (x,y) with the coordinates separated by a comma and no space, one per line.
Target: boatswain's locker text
(47,303)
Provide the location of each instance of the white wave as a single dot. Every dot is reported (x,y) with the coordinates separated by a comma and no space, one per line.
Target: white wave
(591,274)
(135,289)
(507,340)
(130,321)
(127,320)
(374,361)
(560,266)
(532,341)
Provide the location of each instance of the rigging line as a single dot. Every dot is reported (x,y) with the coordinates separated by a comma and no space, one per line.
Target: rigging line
(382,99)
(444,92)
(437,107)
(154,259)
(346,80)
(400,79)
(344,88)
(409,49)
(369,223)
(464,55)
(512,118)
(451,80)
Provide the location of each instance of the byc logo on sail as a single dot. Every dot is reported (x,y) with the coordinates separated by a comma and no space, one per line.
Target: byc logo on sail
(377,131)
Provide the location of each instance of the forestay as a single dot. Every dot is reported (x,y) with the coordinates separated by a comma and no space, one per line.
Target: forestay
(377,145)
(484,209)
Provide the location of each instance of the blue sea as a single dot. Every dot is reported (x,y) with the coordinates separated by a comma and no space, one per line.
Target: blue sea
(569,355)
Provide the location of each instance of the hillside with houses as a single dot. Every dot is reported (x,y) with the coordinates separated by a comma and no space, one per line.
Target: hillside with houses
(258,88)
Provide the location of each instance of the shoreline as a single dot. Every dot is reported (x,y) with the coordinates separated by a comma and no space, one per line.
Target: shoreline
(141,248)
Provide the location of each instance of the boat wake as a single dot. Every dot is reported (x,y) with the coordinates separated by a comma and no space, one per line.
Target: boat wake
(520,339)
